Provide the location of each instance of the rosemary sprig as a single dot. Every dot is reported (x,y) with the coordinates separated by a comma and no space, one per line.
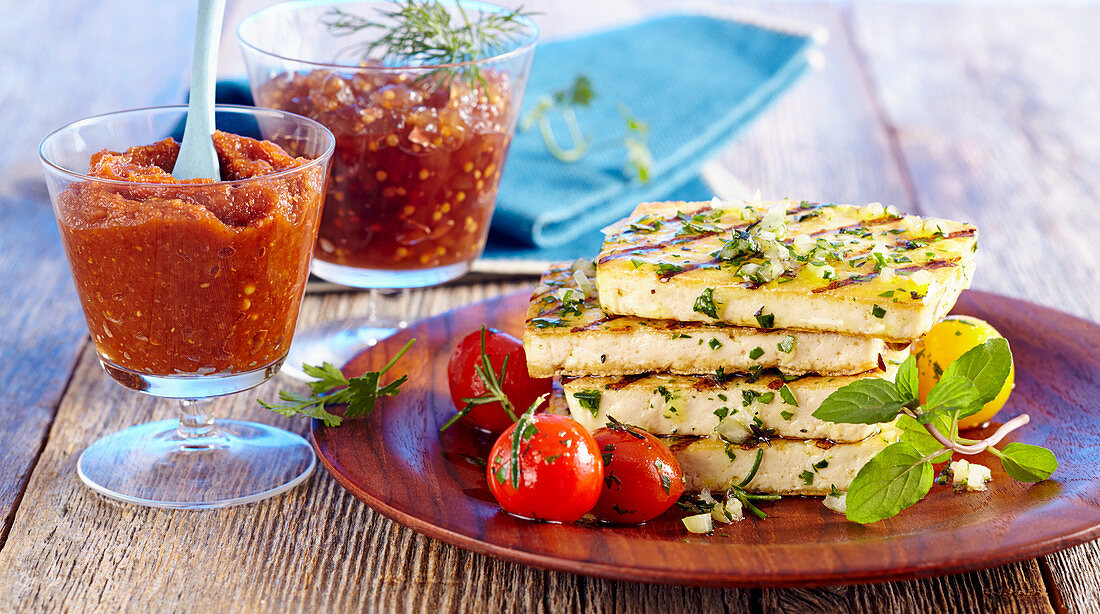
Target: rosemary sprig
(566,101)
(738,492)
(495,392)
(425,32)
(358,393)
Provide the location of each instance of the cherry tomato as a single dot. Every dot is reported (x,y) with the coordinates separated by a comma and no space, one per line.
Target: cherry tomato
(560,471)
(517,385)
(948,339)
(641,478)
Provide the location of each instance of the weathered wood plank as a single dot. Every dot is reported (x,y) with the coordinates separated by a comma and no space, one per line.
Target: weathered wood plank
(40,319)
(1011,588)
(39,352)
(994,112)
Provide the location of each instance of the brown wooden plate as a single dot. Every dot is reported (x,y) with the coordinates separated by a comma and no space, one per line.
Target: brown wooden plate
(397,462)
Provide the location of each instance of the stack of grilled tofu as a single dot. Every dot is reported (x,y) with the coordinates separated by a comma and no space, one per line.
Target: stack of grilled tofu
(723,326)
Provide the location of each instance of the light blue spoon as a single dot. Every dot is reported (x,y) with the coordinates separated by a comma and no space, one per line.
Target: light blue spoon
(197,157)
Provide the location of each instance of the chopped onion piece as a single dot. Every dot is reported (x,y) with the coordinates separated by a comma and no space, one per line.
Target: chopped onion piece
(838,503)
(730,511)
(966,475)
(585,285)
(699,523)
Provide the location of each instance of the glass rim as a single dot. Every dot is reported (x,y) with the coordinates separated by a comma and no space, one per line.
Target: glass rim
(329,149)
(530,40)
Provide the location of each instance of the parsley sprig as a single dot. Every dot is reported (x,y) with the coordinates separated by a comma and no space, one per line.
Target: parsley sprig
(494,390)
(902,473)
(358,393)
(566,101)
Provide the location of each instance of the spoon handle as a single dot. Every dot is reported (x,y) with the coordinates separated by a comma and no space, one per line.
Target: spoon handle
(197,158)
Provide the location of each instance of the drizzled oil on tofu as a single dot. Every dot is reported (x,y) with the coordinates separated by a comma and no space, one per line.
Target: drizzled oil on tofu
(839,268)
(568,333)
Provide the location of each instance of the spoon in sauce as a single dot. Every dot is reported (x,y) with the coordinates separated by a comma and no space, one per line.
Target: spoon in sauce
(197,158)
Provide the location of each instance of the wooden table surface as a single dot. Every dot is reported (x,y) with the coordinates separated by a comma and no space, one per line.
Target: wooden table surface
(984,113)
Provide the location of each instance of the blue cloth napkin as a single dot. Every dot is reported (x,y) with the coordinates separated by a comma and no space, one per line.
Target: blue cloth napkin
(694,80)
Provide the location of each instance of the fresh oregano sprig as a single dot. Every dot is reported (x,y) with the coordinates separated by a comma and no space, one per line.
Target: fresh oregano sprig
(358,393)
(566,101)
(902,473)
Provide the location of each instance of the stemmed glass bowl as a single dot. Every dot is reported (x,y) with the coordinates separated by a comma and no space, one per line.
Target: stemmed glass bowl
(191,291)
(420,143)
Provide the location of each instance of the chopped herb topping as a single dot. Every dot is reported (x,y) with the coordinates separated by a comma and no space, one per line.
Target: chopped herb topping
(705,303)
(722,412)
(756,352)
(666,393)
(547,322)
(590,400)
(766,320)
(787,396)
(714,343)
(807,477)
(668,269)
(877,311)
(787,415)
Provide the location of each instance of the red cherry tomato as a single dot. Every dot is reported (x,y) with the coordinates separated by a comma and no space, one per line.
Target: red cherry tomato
(518,386)
(560,471)
(641,478)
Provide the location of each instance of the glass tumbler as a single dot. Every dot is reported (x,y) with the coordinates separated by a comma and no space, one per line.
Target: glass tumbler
(191,291)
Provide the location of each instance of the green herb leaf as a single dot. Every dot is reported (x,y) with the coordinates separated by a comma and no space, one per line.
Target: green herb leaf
(914,433)
(589,399)
(891,481)
(765,320)
(907,381)
(986,365)
(328,377)
(1028,463)
(877,311)
(952,392)
(705,304)
(788,396)
(360,393)
(714,343)
(756,352)
(807,477)
(865,401)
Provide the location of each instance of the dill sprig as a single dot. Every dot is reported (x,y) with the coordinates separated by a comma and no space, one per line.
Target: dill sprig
(425,32)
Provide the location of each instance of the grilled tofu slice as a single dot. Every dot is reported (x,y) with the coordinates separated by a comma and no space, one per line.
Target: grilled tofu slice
(839,268)
(736,408)
(568,333)
(787,467)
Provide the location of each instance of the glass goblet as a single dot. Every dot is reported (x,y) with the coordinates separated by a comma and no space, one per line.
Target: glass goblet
(420,146)
(191,291)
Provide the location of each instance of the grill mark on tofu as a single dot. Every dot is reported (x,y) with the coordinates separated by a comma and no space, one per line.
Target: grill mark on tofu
(856,279)
(625,381)
(878,221)
(594,324)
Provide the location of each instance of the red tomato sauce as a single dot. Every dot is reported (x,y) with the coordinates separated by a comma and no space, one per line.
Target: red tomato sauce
(193,277)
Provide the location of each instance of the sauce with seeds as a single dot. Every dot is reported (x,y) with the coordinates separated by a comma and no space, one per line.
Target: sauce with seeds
(194,277)
(417,162)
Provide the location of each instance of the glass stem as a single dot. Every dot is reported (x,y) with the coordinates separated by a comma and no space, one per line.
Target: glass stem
(196,421)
